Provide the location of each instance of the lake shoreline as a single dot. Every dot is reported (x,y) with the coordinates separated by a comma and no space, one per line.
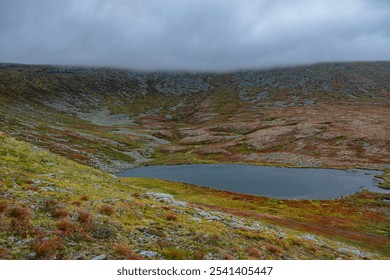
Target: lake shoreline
(294,183)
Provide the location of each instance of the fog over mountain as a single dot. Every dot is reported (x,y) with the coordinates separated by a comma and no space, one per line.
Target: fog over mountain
(193,35)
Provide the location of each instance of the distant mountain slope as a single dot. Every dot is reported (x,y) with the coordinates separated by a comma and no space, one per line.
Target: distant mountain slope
(333,114)
(83,89)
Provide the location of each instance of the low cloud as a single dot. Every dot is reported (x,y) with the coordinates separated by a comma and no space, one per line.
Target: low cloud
(193,35)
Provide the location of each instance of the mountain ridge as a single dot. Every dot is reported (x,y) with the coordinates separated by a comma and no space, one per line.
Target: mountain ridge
(62,132)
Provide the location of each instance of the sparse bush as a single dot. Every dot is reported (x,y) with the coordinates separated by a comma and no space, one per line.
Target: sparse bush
(20,220)
(139,204)
(28,181)
(174,253)
(166,207)
(51,205)
(5,253)
(47,249)
(84,217)
(106,210)
(84,197)
(156,232)
(67,227)
(199,255)
(126,253)
(76,203)
(255,253)
(31,188)
(20,226)
(103,231)
(19,212)
(171,217)
(136,195)
(80,157)
(60,213)
(273,249)
(3,206)
(228,257)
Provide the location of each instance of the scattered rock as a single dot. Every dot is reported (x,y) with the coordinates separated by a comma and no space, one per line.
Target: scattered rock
(74,215)
(208,216)
(24,241)
(54,189)
(352,251)
(99,258)
(194,219)
(309,237)
(48,175)
(168,198)
(48,189)
(32,256)
(147,254)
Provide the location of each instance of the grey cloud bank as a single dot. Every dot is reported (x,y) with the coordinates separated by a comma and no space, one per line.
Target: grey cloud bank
(193,35)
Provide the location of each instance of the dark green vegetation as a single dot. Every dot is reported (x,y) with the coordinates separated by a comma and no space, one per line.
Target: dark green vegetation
(58,201)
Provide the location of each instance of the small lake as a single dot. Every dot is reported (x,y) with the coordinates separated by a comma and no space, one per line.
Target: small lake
(276,182)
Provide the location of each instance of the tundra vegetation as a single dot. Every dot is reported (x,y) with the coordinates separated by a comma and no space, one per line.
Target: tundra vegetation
(66,130)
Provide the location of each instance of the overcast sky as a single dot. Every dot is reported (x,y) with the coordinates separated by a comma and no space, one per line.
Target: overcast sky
(193,34)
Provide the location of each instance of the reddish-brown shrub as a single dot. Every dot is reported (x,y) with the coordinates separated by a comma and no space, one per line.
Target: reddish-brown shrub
(273,249)
(313,249)
(3,206)
(20,220)
(136,195)
(175,254)
(126,253)
(171,217)
(20,226)
(84,217)
(199,255)
(60,213)
(228,257)
(84,197)
(106,210)
(76,203)
(79,157)
(166,207)
(28,181)
(5,253)
(138,204)
(67,227)
(19,212)
(47,249)
(255,253)
(51,204)
(90,150)
(31,188)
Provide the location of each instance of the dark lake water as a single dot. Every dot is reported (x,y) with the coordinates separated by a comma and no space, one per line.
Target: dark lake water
(276,182)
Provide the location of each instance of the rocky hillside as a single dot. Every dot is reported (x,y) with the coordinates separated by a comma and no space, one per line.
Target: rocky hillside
(63,130)
(53,208)
(332,115)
